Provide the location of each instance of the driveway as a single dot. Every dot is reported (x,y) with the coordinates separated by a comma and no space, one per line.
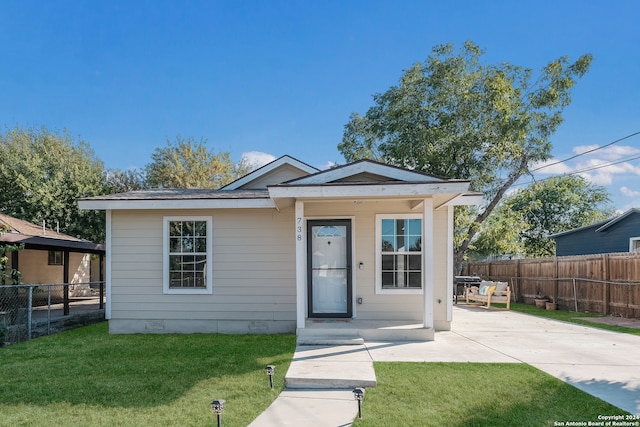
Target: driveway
(602,363)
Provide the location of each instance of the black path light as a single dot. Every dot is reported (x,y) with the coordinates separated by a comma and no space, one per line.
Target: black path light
(358,394)
(269,370)
(217,406)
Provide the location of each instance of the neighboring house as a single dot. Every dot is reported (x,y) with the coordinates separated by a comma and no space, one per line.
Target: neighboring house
(619,234)
(50,257)
(285,244)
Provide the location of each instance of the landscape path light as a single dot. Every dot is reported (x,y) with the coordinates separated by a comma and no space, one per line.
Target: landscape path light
(217,406)
(358,394)
(269,370)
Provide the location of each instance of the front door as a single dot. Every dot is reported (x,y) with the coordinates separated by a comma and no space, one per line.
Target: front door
(329,264)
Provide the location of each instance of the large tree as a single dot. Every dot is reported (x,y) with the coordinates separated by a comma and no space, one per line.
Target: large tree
(43,173)
(454,116)
(547,207)
(189,164)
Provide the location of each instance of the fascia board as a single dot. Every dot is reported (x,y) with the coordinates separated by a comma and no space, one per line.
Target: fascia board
(176,204)
(369,190)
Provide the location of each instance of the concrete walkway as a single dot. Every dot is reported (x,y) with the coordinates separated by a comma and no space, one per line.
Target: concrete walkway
(602,363)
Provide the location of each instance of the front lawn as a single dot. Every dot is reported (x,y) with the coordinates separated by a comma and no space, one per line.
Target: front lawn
(87,377)
(474,394)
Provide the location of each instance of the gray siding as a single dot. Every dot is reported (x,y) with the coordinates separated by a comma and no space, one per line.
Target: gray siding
(587,241)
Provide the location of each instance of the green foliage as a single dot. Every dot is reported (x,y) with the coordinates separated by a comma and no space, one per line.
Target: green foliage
(124,181)
(88,377)
(42,174)
(189,164)
(456,117)
(473,394)
(8,275)
(524,220)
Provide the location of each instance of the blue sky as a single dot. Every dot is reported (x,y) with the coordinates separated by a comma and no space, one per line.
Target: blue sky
(265,78)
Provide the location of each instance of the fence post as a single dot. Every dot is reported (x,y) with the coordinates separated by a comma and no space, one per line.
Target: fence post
(606,298)
(575,294)
(29,312)
(49,311)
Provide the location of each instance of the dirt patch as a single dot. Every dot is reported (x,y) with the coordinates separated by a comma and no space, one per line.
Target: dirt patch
(611,320)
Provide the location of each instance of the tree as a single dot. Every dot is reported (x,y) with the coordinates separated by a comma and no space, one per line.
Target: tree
(123,181)
(551,206)
(42,174)
(455,117)
(189,164)
(8,275)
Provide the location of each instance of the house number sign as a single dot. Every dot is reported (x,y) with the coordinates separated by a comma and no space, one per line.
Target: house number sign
(299,229)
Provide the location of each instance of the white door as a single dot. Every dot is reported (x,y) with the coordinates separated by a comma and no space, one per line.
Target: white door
(329,279)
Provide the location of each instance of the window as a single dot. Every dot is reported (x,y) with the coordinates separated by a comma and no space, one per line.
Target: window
(634,244)
(399,253)
(187,255)
(55,257)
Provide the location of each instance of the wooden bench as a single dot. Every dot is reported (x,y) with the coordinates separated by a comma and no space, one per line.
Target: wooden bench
(489,292)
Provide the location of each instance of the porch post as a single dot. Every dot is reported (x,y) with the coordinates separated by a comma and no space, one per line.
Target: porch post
(427,267)
(301,265)
(450,265)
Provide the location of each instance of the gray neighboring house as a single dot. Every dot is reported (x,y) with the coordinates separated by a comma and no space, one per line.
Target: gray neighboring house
(282,248)
(619,234)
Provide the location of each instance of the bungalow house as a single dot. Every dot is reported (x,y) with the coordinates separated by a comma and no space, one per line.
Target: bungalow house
(618,234)
(281,248)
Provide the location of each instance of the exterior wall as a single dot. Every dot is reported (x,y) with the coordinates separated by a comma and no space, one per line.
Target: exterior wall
(387,306)
(253,275)
(254,284)
(35,268)
(612,239)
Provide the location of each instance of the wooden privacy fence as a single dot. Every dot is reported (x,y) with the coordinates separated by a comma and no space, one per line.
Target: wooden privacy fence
(603,283)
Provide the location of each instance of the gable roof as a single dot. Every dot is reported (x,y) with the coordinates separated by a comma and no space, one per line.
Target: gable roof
(266,169)
(39,237)
(599,226)
(368,168)
(264,188)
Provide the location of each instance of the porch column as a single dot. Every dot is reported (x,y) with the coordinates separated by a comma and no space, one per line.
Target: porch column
(301,266)
(427,267)
(450,265)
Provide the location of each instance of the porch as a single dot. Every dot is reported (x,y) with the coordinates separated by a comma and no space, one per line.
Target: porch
(356,331)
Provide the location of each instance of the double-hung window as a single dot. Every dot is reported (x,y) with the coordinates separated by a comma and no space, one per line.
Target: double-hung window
(399,254)
(634,244)
(187,255)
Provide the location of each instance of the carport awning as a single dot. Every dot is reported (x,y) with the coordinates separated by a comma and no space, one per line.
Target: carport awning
(44,243)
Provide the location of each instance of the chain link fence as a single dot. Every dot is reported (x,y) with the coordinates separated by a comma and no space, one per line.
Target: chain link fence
(30,311)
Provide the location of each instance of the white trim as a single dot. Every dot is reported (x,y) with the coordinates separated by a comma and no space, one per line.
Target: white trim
(165,255)
(107,266)
(300,224)
(176,204)
(631,240)
(260,172)
(450,261)
(428,283)
(379,191)
(391,172)
(378,255)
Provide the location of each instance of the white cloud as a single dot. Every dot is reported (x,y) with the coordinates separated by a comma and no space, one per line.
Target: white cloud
(557,169)
(629,192)
(257,158)
(327,165)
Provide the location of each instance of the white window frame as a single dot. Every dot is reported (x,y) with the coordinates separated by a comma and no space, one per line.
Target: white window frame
(632,240)
(208,289)
(378,249)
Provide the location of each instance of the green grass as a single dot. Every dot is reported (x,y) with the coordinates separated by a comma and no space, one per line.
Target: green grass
(87,377)
(474,394)
(572,317)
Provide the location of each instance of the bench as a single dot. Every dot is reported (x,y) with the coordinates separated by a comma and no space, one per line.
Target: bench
(489,292)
